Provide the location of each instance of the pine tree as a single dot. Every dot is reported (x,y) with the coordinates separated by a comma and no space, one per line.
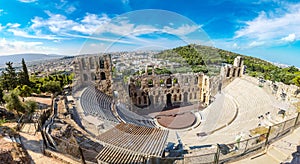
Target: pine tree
(13,103)
(4,81)
(10,76)
(1,96)
(24,77)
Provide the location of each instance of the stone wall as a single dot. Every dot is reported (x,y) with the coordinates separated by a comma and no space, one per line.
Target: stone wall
(169,90)
(152,89)
(229,72)
(94,70)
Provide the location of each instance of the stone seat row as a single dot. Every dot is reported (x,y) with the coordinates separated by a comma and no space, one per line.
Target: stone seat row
(144,140)
(97,104)
(133,118)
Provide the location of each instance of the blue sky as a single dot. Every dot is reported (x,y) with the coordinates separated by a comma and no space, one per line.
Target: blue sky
(268,29)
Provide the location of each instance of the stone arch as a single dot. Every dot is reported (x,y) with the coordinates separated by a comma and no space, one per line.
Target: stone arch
(92,64)
(196,80)
(83,62)
(186,80)
(150,83)
(185,97)
(169,100)
(145,99)
(156,99)
(93,75)
(169,83)
(204,97)
(161,82)
(175,81)
(103,77)
(233,73)
(228,72)
(161,99)
(85,77)
(101,63)
(175,97)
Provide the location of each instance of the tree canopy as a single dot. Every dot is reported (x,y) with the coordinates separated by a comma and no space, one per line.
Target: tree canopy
(24,76)
(13,103)
(204,58)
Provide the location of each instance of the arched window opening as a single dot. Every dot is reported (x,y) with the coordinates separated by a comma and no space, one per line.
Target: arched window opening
(93,75)
(145,99)
(101,63)
(150,83)
(175,97)
(103,77)
(169,83)
(85,77)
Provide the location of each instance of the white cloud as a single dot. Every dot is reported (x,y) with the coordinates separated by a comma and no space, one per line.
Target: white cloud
(290,38)
(182,30)
(256,44)
(270,28)
(2,12)
(70,9)
(66,6)
(91,26)
(13,47)
(94,24)
(28,1)
(13,25)
(55,23)
(235,46)
(97,38)
(22,33)
(91,23)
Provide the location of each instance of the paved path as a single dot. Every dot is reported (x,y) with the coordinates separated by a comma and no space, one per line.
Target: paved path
(32,144)
(279,151)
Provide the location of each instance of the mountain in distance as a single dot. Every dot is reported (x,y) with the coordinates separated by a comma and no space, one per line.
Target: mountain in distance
(28,57)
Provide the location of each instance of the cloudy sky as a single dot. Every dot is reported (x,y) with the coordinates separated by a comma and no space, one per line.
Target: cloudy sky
(268,29)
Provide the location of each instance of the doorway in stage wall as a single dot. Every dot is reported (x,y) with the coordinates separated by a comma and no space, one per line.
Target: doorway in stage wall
(169,100)
(185,97)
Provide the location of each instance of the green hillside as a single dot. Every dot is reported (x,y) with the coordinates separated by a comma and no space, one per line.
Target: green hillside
(204,59)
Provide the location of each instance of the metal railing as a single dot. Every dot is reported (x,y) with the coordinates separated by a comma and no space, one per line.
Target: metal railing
(242,149)
(224,153)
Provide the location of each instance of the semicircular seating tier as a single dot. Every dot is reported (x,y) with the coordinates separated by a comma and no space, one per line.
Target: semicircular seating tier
(136,139)
(97,104)
(133,118)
